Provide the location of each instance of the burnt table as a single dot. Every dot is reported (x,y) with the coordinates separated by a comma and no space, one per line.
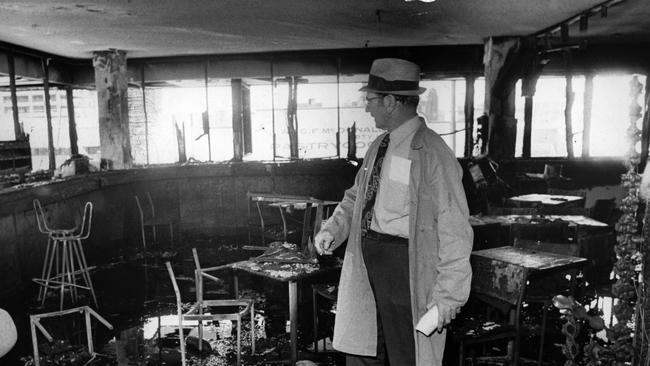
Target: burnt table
(290,273)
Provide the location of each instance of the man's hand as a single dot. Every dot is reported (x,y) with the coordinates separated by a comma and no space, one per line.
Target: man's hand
(446,315)
(323,242)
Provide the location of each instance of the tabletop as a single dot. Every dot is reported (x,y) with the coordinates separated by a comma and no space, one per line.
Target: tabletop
(529,259)
(532,219)
(285,272)
(546,199)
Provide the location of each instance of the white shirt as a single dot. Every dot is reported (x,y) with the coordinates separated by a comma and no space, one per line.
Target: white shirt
(391,211)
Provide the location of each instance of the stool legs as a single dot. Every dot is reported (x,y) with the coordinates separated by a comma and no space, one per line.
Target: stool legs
(543,334)
(64,261)
(45,266)
(85,271)
(252,328)
(52,253)
(239,341)
(64,271)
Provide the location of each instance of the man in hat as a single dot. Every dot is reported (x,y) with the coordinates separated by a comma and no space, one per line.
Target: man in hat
(406,222)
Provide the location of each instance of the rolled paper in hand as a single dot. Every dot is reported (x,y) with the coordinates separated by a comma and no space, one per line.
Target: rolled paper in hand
(429,321)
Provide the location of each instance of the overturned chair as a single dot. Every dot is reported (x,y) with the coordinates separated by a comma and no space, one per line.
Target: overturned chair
(196,311)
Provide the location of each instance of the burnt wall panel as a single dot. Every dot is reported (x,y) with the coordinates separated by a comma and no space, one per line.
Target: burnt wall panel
(9,259)
(207,198)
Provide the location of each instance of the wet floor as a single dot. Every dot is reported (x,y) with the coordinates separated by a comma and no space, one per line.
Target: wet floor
(136,296)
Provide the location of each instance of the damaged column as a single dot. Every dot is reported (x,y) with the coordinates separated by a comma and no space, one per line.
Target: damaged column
(111,85)
(502,70)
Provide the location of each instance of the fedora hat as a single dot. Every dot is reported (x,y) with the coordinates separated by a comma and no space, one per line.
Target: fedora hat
(394,76)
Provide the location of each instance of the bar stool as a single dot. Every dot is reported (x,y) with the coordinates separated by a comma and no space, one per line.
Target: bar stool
(64,257)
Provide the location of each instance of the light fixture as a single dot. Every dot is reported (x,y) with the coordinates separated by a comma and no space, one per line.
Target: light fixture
(424,1)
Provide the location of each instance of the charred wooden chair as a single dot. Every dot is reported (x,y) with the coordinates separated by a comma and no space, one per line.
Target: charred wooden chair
(150,218)
(237,309)
(501,286)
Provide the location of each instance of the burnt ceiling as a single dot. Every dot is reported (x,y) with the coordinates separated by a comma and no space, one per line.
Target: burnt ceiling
(162,28)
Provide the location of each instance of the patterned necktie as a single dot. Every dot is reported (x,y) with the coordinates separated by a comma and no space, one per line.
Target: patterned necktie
(373,185)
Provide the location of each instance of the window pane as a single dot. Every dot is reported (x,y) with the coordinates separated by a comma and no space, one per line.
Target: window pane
(520,102)
(479,110)
(87,120)
(548,127)
(182,105)
(610,114)
(442,106)
(220,97)
(353,112)
(261,120)
(317,116)
(137,129)
(31,109)
(577,113)
(60,129)
(6,118)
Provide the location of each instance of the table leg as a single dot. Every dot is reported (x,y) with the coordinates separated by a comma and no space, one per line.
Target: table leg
(293,319)
(284,223)
(236,285)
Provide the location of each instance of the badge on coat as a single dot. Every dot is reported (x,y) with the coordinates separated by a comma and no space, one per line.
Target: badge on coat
(400,169)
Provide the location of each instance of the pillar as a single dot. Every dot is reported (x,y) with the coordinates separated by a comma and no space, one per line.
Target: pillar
(501,59)
(111,85)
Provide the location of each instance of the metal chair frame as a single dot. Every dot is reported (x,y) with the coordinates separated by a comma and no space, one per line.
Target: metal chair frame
(65,255)
(151,221)
(34,323)
(196,311)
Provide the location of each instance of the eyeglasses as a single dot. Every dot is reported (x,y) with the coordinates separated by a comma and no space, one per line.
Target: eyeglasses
(368,100)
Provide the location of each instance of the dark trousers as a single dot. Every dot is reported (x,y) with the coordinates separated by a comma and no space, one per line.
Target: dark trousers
(388,270)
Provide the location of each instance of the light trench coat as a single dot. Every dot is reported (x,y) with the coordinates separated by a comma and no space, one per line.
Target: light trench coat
(440,243)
